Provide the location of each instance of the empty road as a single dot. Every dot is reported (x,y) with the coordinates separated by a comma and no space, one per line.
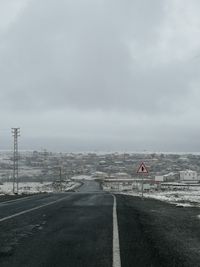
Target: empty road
(91,228)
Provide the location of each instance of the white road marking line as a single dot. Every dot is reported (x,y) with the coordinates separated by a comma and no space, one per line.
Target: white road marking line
(32,209)
(116,246)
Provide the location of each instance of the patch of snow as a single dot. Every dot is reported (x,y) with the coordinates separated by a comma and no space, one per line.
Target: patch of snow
(82,177)
(35,187)
(183,198)
(183,205)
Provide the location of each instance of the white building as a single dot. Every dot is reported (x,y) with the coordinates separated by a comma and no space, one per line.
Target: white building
(146,185)
(189,176)
(169,177)
(159,178)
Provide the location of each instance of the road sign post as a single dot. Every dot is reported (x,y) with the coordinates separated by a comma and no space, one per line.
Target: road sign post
(143,171)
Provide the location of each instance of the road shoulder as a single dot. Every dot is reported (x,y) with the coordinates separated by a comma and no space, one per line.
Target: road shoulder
(153,233)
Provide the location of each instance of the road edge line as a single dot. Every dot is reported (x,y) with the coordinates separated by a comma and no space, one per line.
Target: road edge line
(116,245)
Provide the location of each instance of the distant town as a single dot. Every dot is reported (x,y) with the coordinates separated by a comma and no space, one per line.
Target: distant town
(44,166)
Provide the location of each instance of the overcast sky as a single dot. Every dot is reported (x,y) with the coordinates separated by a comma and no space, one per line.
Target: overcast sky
(108,75)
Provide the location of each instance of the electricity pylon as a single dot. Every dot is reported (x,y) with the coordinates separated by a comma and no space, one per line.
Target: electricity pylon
(16,134)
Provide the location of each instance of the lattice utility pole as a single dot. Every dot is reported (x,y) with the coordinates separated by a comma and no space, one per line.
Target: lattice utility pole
(16,134)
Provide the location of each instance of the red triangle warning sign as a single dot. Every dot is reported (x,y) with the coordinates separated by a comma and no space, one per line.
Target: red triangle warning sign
(142,169)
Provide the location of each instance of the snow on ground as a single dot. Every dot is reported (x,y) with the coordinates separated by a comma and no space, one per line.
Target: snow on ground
(184,198)
(82,177)
(29,187)
(35,187)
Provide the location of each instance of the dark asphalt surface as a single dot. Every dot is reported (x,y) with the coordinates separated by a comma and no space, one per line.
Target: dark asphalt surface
(77,231)
(90,186)
(156,234)
(74,232)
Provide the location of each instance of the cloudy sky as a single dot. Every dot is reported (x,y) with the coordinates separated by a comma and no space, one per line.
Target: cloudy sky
(108,75)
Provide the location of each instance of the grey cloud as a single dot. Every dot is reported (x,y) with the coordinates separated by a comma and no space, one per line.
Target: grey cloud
(77,55)
(74,60)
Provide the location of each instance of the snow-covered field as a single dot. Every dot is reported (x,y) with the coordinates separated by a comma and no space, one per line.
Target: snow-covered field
(185,198)
(35,187)
(82,177)
(189,197)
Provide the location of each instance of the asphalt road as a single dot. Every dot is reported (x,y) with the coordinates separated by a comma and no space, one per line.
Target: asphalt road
(68,229)
(157,234)
(90,187)
(76,230)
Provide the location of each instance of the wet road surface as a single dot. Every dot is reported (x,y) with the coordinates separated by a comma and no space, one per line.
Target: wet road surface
(76,229)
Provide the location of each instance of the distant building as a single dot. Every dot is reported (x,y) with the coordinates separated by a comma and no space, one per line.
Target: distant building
(169,177)
(189,176)
(159,178)
(102,162)
(147,185)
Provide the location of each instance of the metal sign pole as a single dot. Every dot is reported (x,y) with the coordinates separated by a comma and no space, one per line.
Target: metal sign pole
(142,187)
(143,171)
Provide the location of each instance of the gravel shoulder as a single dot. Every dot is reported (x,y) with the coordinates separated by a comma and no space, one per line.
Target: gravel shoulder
(155,233)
